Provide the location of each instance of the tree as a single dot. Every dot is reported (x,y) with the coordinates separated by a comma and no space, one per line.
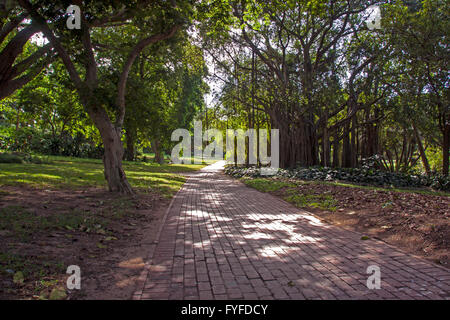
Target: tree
(20,60)
(421,35)
(160,20)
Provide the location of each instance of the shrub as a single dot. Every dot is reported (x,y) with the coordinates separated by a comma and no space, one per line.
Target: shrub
(364,175)
(10,158)
(29,140)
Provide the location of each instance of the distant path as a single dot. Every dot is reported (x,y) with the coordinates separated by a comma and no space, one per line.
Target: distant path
(223,240)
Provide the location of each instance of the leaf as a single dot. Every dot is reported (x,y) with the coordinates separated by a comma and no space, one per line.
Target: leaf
(110,238)
(365,238)
(18,277)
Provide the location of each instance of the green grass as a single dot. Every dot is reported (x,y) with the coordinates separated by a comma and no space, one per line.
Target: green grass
(324,202)
(24,223)
(404,190)
(273,184)
(267,184)
(76,173)
(29,266)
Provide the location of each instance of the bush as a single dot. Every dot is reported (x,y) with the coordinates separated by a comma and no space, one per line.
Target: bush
(18,157)
(364,175)
(10,158)
(29,140)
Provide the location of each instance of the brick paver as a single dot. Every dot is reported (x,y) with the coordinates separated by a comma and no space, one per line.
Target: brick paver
(223,240)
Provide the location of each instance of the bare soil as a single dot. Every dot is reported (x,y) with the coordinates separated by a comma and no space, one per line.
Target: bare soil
(416,223)
(111,257)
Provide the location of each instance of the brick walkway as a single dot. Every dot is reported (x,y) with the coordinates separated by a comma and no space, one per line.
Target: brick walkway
(222,240)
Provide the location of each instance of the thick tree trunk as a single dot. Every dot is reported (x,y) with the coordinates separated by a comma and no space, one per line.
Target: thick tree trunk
(336,149)
(298,144)
(130,151)
(112,158)
(326,152)
(156,147)
(354,151)
(346,152)
(445,149)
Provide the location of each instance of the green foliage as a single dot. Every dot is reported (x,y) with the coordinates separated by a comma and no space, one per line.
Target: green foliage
(10,158)
(32,140)
(354,175)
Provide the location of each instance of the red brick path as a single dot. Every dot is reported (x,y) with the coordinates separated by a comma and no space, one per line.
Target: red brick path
(222,240)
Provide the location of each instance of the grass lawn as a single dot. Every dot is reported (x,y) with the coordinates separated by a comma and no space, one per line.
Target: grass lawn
(274,184)
(76,173)
(60,213)
(301,200)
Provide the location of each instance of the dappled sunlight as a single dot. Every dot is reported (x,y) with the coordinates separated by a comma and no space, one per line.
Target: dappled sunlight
(313,220)
(259,235)
(77,173)
(134,263)
(273,251)
(129,281)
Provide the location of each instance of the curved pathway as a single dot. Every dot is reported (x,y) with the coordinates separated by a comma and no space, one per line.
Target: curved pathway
(223,240)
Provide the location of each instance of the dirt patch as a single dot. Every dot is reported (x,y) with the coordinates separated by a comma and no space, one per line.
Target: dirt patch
(107,236)
(415,223)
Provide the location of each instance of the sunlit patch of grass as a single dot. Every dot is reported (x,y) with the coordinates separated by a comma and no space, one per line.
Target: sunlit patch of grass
(267,184)
(323,201)
(76,173)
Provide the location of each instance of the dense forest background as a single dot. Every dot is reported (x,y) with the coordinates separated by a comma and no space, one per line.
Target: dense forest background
(342,94)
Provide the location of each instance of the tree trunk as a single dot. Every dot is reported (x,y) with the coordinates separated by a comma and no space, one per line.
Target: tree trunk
(130,151)
(353,149)
(423,156)
(112,158)
(445,149)
(346,152)
(156,147)
(326,144)
(336,149)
